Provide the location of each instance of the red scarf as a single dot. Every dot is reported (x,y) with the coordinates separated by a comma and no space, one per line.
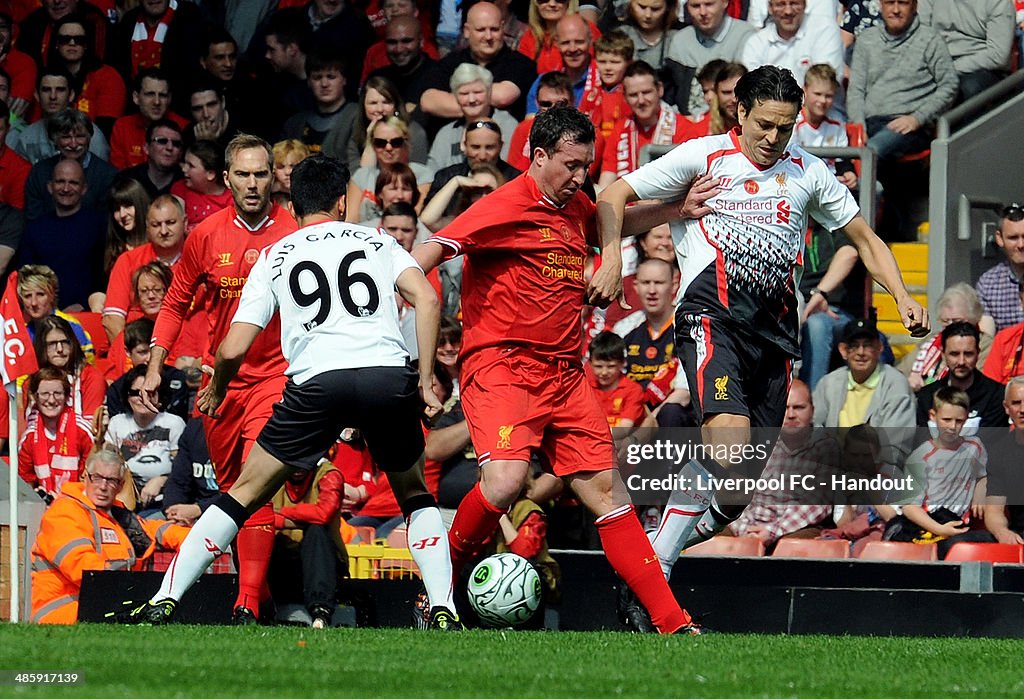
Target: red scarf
(592,92)
(146,44)
(627,150)
(928,360)
(55,463)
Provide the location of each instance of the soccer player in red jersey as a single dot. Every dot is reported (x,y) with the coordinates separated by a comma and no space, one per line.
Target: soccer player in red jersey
(523,384)
(219,253)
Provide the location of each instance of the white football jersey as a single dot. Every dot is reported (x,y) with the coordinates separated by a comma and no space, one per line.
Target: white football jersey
(334,283)
(741,263)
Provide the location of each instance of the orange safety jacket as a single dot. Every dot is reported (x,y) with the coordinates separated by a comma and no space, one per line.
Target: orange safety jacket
(75,537)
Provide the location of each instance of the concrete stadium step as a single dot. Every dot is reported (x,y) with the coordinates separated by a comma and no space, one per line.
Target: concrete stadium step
(912,259)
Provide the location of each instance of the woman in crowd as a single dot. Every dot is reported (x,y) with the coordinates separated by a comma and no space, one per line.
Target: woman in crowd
(390,141)
(57,440)
(126,227)
(101,91)
(651,25)
(287,154)
(56,346)
(378,100)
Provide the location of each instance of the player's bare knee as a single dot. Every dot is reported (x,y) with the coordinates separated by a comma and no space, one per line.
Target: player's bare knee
(261,477)
(502,481)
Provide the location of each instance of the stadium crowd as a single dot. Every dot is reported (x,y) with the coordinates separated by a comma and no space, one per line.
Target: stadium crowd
(115,117)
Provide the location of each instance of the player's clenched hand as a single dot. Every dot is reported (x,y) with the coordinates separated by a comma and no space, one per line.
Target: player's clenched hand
(606,285)
(914,316)
(702,189)
(150,390)
(208,400)
(433,403)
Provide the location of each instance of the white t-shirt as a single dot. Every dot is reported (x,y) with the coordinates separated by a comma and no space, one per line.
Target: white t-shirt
(817,41)
(757,13)
(741,263)
(830,133)
(148,451)
(949,475)
(334,283)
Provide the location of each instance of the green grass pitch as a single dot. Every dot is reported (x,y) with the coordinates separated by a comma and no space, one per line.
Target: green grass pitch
(208,661)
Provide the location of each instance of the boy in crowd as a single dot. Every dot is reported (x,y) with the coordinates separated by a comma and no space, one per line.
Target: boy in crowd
(613,53)
(621,398)
(949,476)
(818,124)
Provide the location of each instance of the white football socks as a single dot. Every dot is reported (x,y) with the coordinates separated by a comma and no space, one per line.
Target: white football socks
(210,537)
(684,513)
(428,543)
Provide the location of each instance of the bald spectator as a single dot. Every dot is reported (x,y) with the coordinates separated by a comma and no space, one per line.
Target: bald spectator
(472,87)
(575,44)
(979,37)
(795,40)
(54,93)
(901,80)
(379,54)
(407,61)
(511,70)
(71,240)
(165,150)
(70,131)
(713,35)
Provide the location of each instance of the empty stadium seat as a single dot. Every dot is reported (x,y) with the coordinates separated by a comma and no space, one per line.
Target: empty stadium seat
(366,535)
(899,551)
(994,553)
(728,546)
(812,548)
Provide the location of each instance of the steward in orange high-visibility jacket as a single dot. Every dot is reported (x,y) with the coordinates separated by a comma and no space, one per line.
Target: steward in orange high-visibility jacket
(87,528)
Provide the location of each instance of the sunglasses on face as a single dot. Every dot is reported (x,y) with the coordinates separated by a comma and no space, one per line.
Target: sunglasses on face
(1013,212)
(548,104)
(490,125)
(164,141)
(396,142)
(66,39)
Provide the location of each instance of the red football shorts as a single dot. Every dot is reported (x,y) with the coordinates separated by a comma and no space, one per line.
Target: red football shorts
(518,402)
(243,414)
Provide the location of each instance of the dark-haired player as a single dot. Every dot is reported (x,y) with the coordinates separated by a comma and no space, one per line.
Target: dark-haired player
(219,254)
(736,314)
(523,387)
(348,366)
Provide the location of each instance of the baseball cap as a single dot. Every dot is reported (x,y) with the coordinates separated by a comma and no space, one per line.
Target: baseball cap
(862,327)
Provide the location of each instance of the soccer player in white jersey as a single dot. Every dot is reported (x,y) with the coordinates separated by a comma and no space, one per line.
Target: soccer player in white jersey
(736,314)
(348,366)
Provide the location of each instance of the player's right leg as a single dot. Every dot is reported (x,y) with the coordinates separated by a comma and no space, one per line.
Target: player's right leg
(262,476)
(478,514)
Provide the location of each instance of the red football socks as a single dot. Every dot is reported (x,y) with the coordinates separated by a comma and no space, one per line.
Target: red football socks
(475,522)
(629,551)
(255,542)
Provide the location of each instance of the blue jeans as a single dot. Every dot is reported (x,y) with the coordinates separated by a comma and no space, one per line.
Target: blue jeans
(890,145)
(817,340)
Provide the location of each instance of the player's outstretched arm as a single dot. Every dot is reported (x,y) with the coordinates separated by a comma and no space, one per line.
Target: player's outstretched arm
(879,260)
(606,284)
(415,289)
(427,255)
(230,356)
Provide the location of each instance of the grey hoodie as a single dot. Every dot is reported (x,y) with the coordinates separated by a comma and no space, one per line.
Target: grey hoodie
(911,73)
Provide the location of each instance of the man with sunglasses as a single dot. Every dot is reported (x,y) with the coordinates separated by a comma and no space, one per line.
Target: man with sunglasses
(165,149)
(151,93)
(88,528)
(481,143)
(998,288)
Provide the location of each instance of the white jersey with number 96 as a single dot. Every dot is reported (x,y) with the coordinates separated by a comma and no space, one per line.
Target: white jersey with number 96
(334,284)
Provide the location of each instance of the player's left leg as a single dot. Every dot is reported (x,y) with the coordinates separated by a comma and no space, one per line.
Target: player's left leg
(627,547)
(262,476)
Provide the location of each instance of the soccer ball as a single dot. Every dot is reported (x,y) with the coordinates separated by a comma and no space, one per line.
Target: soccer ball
(504,589)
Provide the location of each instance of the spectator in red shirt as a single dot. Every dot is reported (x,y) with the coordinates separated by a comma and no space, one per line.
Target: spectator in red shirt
(651,121)
(55,345)
(13,168)
(620,397)
(19,66)
(202,189)
(151,93)
(101,91)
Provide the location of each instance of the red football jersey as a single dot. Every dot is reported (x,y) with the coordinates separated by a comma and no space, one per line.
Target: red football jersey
(523,281)
(624,401)
(220,252)
(121,299)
